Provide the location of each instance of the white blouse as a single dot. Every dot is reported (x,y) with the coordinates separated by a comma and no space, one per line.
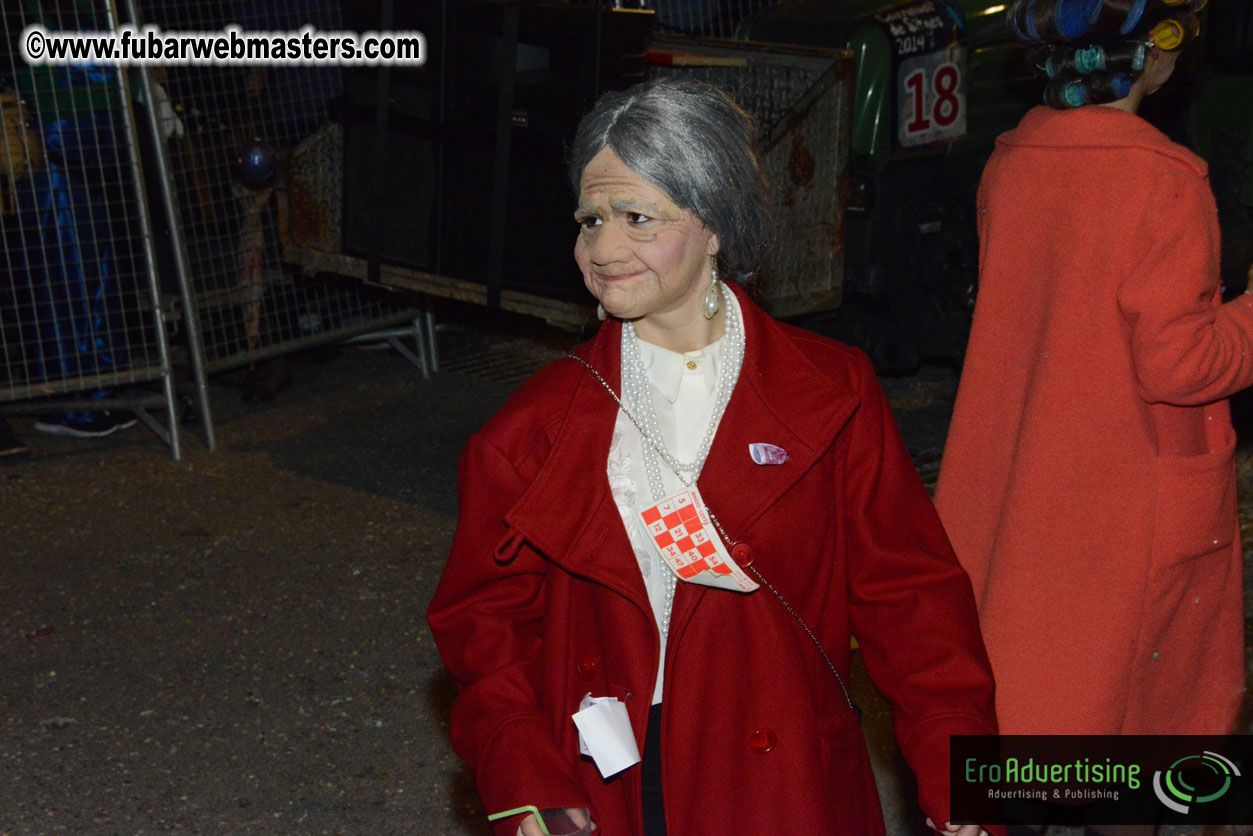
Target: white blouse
(683,388)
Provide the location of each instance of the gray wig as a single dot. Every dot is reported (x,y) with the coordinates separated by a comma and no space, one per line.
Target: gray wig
(691,141)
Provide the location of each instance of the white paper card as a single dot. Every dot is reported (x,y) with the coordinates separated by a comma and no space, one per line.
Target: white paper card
(605,734)
(588,701)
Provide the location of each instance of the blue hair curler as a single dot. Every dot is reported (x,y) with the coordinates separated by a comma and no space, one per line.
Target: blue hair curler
(1071,18)
(1122,16)
(1089,60)
(1121,85)
(1075,94)
(1032,33)
(1133,17)
(1022,21)
(1137,57)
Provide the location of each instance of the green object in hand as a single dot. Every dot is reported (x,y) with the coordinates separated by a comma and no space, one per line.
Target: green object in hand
(530,808)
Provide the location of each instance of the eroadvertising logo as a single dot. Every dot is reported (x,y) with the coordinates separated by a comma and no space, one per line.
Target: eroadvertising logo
(1100,780)
(1216,775)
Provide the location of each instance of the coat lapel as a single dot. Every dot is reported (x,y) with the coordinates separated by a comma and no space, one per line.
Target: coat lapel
(568,513)
(782,399)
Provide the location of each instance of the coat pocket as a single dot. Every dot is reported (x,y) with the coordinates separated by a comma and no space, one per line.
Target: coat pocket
(1188,655)
(1194,506)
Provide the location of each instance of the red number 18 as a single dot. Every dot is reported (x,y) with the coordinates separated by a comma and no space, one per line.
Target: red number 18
(945,109)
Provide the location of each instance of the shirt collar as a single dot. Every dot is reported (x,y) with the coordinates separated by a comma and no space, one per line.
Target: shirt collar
(665,369)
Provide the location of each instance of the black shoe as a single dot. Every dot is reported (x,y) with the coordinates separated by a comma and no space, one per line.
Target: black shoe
(11,450)
(86,424)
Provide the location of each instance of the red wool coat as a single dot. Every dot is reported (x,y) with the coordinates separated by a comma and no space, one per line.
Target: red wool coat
(542,602)
(1088,482)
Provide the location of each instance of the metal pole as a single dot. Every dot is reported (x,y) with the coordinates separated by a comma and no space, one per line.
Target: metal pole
(191,317)
(382,94)
(429,318)
(150,257)
(441,140)
(506,62)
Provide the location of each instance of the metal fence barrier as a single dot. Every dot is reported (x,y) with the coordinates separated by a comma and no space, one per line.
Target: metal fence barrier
(98,285)
(81,327)
(236,130)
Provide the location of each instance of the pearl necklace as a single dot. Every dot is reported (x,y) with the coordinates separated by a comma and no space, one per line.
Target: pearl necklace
(637,403)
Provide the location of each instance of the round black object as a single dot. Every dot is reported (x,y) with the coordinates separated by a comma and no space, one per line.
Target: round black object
(256,164)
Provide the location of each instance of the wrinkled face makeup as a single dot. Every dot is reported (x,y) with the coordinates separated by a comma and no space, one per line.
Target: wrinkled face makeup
(641,255)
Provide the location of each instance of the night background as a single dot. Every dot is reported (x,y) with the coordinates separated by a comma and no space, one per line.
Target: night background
(312,284)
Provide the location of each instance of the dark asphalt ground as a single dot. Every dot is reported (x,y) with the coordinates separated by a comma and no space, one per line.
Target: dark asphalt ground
(235,643)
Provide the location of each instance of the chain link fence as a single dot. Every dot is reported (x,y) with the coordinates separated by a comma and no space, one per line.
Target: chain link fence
(233,134)
(704,18)
(81,331)
(97,286)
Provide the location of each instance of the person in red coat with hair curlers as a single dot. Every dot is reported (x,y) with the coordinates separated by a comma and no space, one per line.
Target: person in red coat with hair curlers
(1088,482)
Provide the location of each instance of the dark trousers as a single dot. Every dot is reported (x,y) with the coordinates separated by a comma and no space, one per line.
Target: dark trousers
(654,817)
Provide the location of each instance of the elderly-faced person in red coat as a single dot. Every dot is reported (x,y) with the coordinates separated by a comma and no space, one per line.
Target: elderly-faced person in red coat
(790,519)
(1088,482)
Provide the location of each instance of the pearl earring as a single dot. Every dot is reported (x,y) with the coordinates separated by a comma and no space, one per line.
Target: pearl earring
(713,296)
(600,312)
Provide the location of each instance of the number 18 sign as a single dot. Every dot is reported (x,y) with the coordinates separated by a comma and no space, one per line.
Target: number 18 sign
(931,96)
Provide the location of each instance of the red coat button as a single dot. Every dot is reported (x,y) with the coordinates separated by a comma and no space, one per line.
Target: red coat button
(762,741)
(587,668)
(743,554)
